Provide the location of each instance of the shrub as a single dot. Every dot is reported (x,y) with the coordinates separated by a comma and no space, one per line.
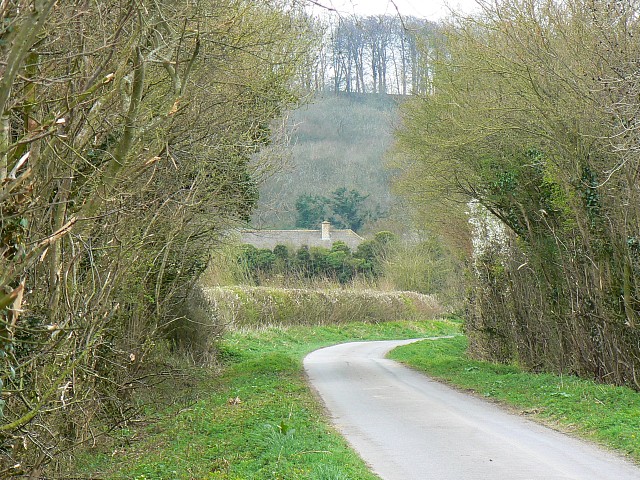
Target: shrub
(256,307)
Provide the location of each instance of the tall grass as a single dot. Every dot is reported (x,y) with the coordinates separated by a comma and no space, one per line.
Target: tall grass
(427,266)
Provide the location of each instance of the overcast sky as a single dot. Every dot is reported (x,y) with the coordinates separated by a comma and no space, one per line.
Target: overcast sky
(431,9)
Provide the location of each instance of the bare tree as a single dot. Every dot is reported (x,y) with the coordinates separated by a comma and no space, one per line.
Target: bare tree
(379,54)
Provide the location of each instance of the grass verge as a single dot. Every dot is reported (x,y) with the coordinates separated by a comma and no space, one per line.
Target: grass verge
(606,414)
(256,420)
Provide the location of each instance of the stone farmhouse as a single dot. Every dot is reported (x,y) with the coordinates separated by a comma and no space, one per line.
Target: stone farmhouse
(325,237)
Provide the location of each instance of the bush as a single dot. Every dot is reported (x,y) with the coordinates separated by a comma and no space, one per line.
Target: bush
(338,263)
(256,307)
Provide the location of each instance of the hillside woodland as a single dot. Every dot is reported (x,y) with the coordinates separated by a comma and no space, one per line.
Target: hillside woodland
(338,141)
(363,67)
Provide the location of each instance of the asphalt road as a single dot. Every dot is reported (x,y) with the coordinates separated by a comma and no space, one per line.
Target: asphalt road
(408,427)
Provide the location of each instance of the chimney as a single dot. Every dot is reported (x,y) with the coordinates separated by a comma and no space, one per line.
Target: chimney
(326,230)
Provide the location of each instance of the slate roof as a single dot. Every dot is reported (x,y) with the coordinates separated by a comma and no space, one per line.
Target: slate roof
(298,238)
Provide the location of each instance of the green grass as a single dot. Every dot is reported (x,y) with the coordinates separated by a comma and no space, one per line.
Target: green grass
(256,420)
(606,414)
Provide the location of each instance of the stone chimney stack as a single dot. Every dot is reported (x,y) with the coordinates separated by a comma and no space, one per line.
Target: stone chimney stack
(326,230)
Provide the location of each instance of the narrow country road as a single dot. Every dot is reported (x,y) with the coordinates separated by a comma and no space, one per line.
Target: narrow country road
(408,427)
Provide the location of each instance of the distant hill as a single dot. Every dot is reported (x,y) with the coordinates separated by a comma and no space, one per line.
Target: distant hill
(339,140)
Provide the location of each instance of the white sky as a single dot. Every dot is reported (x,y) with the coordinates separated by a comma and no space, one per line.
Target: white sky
(431,9)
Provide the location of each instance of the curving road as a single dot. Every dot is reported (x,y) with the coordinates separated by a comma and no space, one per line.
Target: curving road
(408,427)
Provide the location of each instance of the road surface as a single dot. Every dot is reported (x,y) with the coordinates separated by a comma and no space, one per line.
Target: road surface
(408,427)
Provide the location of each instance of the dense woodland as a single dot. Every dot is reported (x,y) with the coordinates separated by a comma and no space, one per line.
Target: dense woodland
(363,68)
(337,142)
